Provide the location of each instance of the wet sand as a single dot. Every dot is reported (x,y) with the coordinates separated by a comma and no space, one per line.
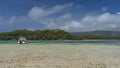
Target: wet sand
(59,56)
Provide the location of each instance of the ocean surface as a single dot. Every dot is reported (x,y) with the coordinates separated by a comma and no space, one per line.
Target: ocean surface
(106,42)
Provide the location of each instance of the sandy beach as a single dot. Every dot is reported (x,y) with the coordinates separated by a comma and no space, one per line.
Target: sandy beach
(59,56)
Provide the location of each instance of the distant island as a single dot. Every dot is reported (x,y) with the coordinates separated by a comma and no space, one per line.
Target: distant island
(57,34)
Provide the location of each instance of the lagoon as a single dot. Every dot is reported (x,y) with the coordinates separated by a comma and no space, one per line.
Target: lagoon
(113,42)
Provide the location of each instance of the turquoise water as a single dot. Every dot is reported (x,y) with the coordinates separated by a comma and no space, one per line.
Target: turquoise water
(114,42)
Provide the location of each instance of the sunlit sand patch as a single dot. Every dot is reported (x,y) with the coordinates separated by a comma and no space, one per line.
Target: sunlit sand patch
(59,56)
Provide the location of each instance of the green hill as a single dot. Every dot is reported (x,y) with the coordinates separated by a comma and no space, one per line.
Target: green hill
(55,34)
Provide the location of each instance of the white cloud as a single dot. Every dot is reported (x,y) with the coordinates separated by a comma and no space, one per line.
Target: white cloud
(118,13)
(37,12)
(72,26)
(65,21)
(58,22)
(104,9)
(12,19)
(65,16)
(41,16)
(105,21)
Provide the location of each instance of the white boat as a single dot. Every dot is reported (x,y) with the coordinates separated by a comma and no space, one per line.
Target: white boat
(22,40)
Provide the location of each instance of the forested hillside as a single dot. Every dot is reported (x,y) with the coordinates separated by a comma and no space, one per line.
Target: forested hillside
(55,34)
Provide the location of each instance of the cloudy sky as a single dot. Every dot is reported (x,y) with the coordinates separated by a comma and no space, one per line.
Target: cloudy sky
(69,15)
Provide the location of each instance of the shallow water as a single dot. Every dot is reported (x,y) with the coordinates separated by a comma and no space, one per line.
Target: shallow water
(74,42)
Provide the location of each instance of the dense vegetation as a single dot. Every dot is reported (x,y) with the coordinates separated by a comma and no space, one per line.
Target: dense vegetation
(55,34)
